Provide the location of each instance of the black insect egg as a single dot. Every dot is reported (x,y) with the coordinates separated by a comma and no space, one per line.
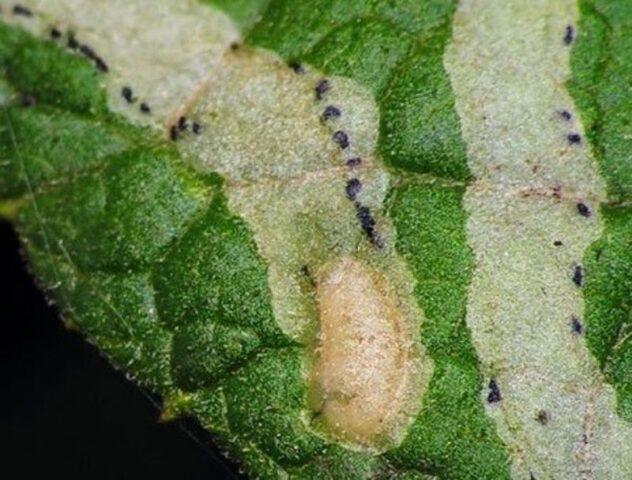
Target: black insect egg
(569,35)
(101,65)
(341,138)
(574,138)
(565,114)
(22,10)
(578,276)
(128,94)
(583,209)
(353,188)
(494,395)
(321,88)
(72,43)
(296,67)
(331,112)
(174,133)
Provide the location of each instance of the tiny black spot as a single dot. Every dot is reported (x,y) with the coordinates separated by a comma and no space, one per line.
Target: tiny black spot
(235,46)
(542,417)
(145,108)
(494,395)
(341,138)
(128,94)
(321,88)
(574,138)
(55,33)
(72,42)
(558,243)
(569,34)
(196,127)
(182,124)
(583,209)
(27,100)
(87,51)
(367,222)
(330,112)
(354,162)
(174,133)
(532,476)
(598,254)
(297,67)
(306,272)
(101,65)
(565,114)
(353,188)
(22,10)
(576,324)
(578,276)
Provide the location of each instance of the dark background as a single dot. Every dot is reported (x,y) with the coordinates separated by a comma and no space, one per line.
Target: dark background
(65,413)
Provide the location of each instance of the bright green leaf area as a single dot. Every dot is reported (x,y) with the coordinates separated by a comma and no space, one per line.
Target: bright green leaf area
(47,145)
(608,293)
(601,63)
(117,218)
(133,247)
(205,276)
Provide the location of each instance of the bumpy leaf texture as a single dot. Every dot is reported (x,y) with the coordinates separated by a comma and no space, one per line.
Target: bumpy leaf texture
(386,239)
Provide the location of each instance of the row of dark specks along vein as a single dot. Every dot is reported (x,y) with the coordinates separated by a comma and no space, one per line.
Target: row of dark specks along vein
(578,273)
(21,10)
(126,92)
(341,138)
(71,43)
(182,127)
(82,48)
(582,209)
(331,112)
(175,130)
